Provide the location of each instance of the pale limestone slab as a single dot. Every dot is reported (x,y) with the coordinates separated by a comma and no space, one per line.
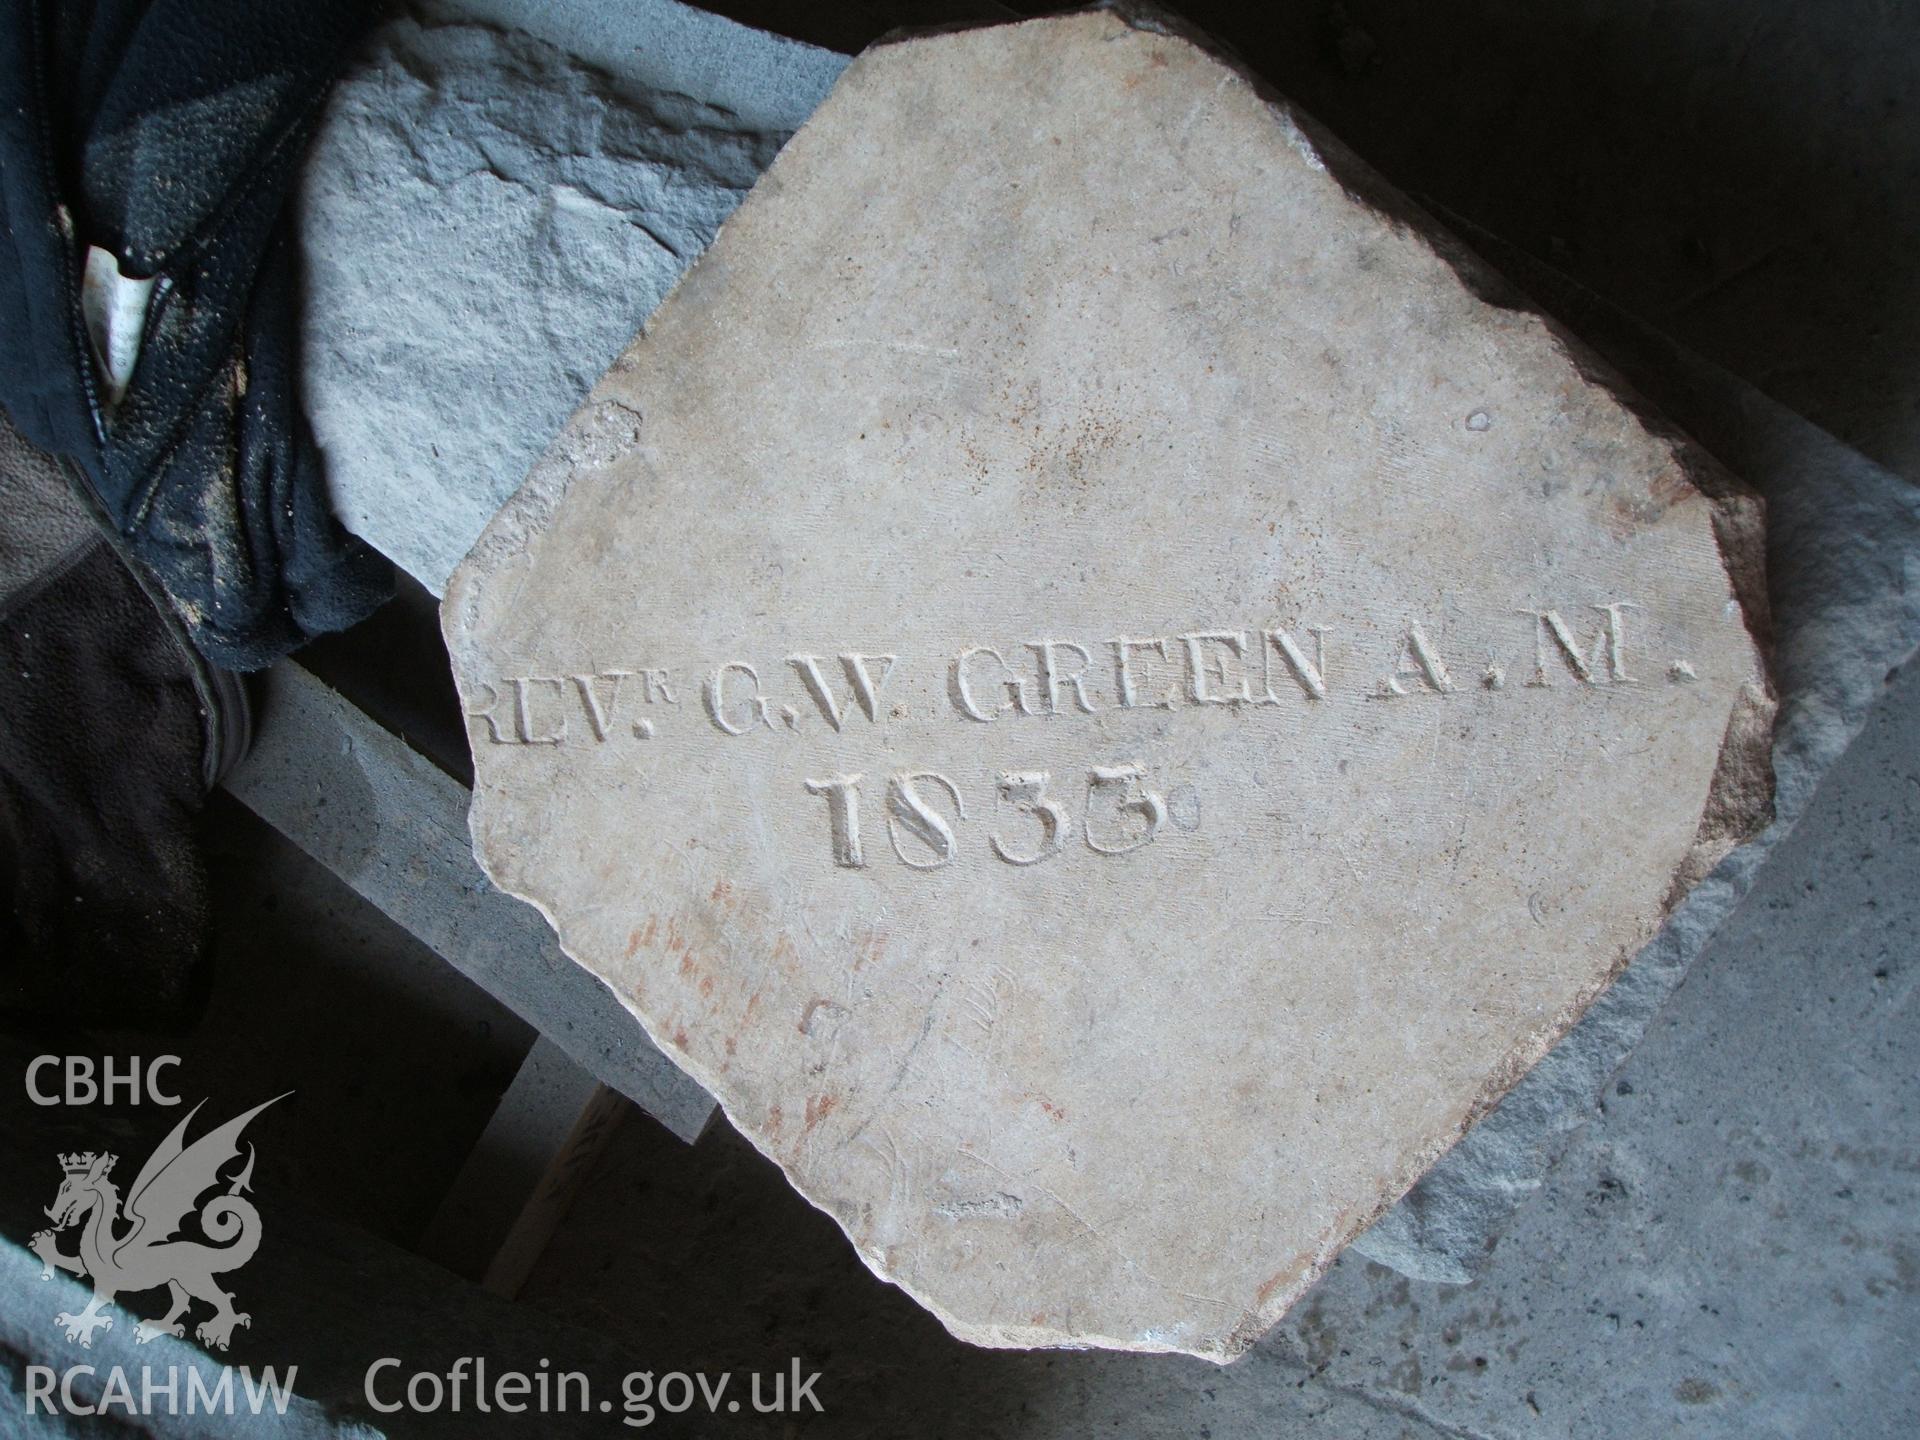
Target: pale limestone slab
(1283,686)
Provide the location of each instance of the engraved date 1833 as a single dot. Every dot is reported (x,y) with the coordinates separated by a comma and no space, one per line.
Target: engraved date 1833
(1033,816)
(924,809)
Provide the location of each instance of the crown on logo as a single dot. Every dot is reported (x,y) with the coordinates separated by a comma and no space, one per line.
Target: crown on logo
(78,1163)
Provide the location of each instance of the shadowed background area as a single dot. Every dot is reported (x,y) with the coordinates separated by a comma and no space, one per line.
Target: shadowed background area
(1745,177)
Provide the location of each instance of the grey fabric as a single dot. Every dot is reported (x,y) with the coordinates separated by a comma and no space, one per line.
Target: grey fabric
(103,739)
(44,528)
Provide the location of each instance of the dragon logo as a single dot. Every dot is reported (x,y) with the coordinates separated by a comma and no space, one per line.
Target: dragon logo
(145,1254)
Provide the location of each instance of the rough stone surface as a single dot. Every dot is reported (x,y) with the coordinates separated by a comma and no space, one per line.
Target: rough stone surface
(486,221)
(1726,1251)
(1841,610)
(1842,541)
(1129,981)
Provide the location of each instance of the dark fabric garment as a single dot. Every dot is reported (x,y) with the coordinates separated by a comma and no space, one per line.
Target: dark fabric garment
(169,133)
(104,730)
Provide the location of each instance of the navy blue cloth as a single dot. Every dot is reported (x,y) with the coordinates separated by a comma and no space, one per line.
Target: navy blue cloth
(170,134)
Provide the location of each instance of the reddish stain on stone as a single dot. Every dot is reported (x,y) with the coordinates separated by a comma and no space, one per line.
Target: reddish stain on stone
(875,947)
(819,1107)
(1279,1278)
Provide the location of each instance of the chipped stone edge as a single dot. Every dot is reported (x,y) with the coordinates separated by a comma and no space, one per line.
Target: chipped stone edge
(1738,805)
(1739,801)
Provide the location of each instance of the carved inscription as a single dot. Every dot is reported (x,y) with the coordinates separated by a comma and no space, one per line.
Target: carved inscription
(925,818)
(925,811)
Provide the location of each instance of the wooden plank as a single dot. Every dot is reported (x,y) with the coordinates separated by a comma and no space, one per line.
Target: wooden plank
(523,1174)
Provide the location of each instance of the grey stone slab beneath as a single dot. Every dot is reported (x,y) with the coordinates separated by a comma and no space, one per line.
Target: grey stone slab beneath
(1843,544)
(1729,1248)
(488,218)
(646,48)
